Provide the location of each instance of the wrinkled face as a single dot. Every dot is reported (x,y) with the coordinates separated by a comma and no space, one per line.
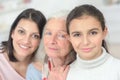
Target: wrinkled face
(55,39)
(26,38)
(86,36)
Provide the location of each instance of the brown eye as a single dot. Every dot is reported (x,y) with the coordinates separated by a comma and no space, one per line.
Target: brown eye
(76,35)
(93,33)
(35,36)
(21,32)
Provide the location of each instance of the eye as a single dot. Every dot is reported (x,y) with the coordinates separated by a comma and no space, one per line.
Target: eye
(35,36)
(93,32)
(47,33)
(76,35)
(21,31)
(61,36)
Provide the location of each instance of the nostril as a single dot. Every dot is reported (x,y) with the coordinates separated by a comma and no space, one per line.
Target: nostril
(53,42)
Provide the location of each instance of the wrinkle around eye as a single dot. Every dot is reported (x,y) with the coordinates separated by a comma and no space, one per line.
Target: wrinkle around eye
(47,33)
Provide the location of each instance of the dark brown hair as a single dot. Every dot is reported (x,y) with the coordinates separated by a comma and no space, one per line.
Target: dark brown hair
(30,14)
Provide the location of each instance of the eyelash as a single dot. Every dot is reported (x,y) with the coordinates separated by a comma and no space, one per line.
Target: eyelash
(47,33)
(36,36)
(93,33)
(76,35)
(33,35)
(59,35)
(21,32)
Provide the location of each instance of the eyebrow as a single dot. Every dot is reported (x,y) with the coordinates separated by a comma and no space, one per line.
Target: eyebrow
(88,30)
(63,31)
(93,29)
(21,27)
(59,30)
(25,30)
(75,32)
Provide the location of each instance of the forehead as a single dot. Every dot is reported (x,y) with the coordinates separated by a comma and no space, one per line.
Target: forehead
(56,24)
(85,22)
(28,25)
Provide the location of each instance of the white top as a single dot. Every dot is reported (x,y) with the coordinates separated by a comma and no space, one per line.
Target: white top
(6,70)
(105,67)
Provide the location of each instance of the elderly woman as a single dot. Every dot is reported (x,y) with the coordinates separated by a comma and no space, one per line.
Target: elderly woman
(58,49)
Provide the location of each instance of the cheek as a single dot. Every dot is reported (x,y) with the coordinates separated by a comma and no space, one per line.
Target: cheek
(75,42)
(66,48)
(67,45)
(97,41)
(36,43)
(45,41)
(16,37)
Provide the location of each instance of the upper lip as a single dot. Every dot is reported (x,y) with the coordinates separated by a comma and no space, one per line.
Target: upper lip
(53,48)
(24,46)
(86,48)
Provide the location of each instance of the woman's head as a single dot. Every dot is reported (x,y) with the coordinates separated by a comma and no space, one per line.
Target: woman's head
(86,10)
(31,16)
(55,37)
(86,25)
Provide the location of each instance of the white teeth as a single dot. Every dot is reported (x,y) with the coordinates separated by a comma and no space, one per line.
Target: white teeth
(25,47)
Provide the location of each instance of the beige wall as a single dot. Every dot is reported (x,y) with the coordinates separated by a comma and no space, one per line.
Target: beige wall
(114,49)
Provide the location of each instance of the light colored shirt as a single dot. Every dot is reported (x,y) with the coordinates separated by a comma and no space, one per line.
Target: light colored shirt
(104,67)
(6,70)
(33,73)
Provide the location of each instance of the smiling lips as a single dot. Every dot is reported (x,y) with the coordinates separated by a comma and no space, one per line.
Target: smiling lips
(86,49)
(24,47)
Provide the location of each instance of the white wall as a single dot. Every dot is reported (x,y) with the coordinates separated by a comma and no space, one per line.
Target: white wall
(111,13)
(51,6)
(48,7)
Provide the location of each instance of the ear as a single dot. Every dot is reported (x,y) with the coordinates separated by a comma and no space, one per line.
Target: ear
(105,32)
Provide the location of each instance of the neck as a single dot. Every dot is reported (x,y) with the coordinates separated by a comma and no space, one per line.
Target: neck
(21,66)
(58,61)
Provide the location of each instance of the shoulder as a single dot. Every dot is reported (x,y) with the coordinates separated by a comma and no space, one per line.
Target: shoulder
(34,67)
(38,65)
(3,47)
(33,73)
(115,62)
(3,56)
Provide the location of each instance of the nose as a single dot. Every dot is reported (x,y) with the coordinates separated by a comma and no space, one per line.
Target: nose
(26,39)
(52,39)
(86,40)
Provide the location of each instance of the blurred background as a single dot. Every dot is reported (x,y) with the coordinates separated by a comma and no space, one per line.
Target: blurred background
(9,10)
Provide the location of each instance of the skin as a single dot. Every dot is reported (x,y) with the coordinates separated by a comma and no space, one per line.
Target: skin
(26,40)
(86,36)
(58,73)
(57,47)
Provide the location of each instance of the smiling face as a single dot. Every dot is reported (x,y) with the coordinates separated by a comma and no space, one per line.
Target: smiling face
(55,39)
(86,36)
(26,38)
